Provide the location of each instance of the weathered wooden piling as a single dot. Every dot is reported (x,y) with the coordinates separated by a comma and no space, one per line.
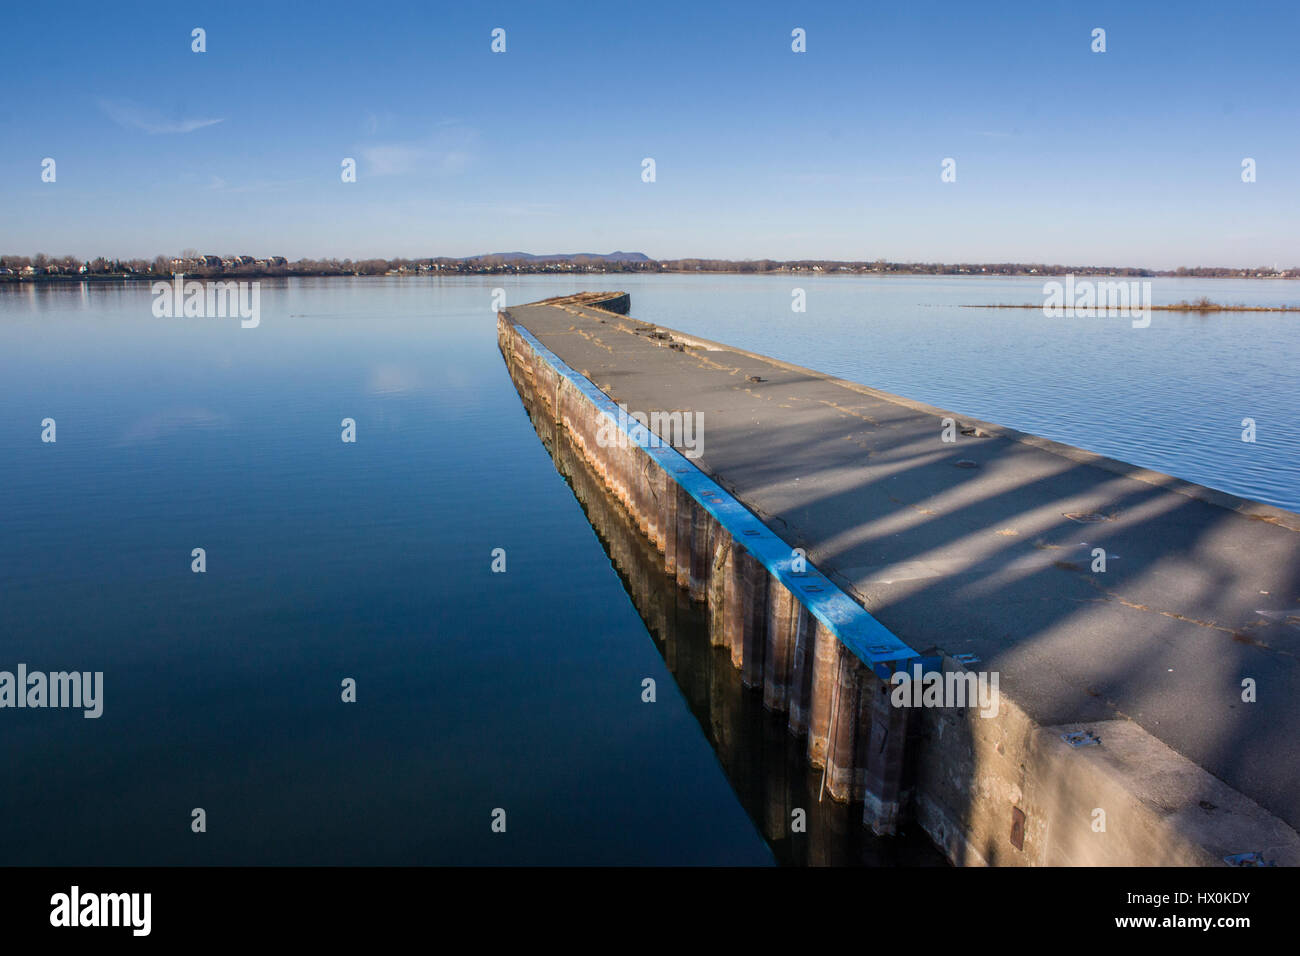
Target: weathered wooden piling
(801,666)
(826,651)
(883,796)
(850,723)
(665,507)
(701,555)
(722,605)
(782,622)
(731,635)
(682,544)
(755,578)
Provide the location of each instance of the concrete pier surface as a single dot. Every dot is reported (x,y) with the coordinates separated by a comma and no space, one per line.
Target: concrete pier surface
(1178,661)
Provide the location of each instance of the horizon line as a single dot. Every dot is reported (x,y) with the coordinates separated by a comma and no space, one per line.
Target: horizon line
(526,260)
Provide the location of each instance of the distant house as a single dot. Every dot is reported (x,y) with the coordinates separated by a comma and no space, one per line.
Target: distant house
(279,261)
(32,271)
(244,260)
(6,272)
(210,262)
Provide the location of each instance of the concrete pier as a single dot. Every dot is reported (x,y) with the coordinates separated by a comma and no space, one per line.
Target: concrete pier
(1147,714)
(764,762)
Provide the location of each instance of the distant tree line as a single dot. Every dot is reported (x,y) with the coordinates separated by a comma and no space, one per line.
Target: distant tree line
(16,267)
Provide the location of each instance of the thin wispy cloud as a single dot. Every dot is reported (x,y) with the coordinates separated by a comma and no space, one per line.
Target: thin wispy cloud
(449,151)
(375,122)
(130,115)
(253,186)
(526,209)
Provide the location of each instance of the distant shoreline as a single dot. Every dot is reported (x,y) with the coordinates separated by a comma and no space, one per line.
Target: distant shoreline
(69,278)
(45,268)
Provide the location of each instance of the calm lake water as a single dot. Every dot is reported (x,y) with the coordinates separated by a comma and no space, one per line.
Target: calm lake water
(371,561)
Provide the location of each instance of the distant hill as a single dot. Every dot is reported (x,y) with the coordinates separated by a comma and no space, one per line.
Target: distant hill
(562,257)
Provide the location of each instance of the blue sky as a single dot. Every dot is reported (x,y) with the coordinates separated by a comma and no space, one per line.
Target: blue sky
(1063,155)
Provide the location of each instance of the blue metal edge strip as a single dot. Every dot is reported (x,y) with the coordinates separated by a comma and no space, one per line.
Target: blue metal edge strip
(869,640)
